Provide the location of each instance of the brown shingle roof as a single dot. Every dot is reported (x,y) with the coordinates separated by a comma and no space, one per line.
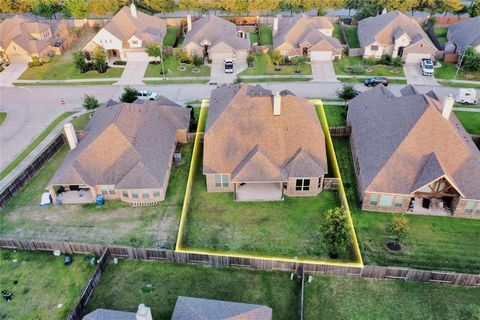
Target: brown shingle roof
(401,142)
(19,30)
(127,145)
(242,132)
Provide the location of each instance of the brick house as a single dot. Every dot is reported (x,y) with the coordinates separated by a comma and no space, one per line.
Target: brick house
(412,154)
(262,146)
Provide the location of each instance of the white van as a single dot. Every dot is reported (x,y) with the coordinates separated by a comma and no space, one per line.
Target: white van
(467,96)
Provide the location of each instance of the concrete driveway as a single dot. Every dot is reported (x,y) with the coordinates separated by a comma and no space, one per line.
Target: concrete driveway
(414,76)
(218,75)
(323,71)
(133,73)
(12,73)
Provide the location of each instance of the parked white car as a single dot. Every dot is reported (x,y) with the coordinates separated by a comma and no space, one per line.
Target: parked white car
(427,67)
(228,65)
(147,95)
(467,96)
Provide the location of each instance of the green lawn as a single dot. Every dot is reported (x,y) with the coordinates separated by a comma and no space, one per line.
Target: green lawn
(448,70)
(337,33)
(328,297)
(276,80)
(83,83)
(470,121)
(377,70)
(335,115)
(174,81)
(115,222)
(459,85)
(79,123)
(439,243)
(158,284)
(3,117)
(171,65)
(352,36)
(171,36)
(266,38)
(34,144)
(254,38)
(264,66)
(45,288)
(441,33)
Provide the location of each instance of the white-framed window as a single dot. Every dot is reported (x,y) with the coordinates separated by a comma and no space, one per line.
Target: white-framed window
(374,48)
(146,195)
(302,185)
(222,181)
(398,201)
(125,193)
(107,190)
(374,199)
(135,42)
(469,207)
(386,201)
(156,193)
(319,182)
(134,195)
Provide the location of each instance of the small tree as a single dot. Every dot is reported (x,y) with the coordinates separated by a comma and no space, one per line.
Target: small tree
(45,8)
(99,59)
(154,50)
(335,232)
(183,56)
(398,231)
(277,58)
(471,60)
(346,92)
(90,102)
(79,61)
(299,61)
(250,60)
(129,95)
(198,61)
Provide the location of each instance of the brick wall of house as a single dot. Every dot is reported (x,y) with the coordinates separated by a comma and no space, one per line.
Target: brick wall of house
(366,204)
(211,185)
(460,210)
(314,187)
(181,136)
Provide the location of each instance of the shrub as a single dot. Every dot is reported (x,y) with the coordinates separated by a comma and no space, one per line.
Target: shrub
(80,62)
(250,60)
(397,229)
(198,61)
(335,232)
(397,62)
(237,80)
(346,92)
(119,63)
(370,61)
(46,59)
(385,59)
(1,68)
(183,56)
(357,68)
(35,62)
(471,60)
(129,95)
(90,102)
(99,59)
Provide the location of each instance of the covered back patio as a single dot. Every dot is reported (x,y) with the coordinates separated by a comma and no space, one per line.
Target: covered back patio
(259,191)
(437,198)
(72,194)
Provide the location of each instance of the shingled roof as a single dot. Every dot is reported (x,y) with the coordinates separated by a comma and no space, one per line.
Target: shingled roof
(386,27)
(215,30)
(466,33)
(245,139)
(147,28)
(403,143)
(188,308)
(127,145)
(19,29)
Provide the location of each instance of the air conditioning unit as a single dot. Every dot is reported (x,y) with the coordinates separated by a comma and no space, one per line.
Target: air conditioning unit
(177,157)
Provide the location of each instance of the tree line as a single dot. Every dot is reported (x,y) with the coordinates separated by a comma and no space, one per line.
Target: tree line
(364,8)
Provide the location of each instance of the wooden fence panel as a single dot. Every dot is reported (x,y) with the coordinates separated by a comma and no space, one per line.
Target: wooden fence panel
(340,131)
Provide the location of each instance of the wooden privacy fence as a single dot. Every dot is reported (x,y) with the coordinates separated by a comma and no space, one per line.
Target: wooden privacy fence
(371,272)
(340,131)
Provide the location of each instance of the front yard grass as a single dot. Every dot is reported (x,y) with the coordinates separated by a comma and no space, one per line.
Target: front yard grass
(171,65)
(171,36)
(470,121)
(158,284)
(264,66)
(377,70)
(441,33)
(42,286)
(328,297)
(352,36)
(438,243)
(448,70)
(116,222)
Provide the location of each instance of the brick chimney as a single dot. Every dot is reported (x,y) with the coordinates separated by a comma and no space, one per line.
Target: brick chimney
(277,104)
(275,25)
(133,10)
(189,22)
(447,106)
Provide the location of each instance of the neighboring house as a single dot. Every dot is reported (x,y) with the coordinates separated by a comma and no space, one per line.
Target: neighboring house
(188,308)
(463,34)
(307,36)
(143,313)
(411,154)
(126,154)
(261,146)
(21,39)
(395,34)
(216,38)
(127,34)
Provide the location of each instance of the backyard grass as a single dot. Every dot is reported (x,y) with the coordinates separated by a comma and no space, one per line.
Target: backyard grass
(438,243)
(34,144)
(335,115)
(115,222)
(328,297)
(352,36)
(158,284)
(448,70)
(254,38)
(171,36)
(377,70)
(470,121)
(337,33)
(171,65)
(3,117)
(441,33)
(45,288)
(266,38)
(264,66)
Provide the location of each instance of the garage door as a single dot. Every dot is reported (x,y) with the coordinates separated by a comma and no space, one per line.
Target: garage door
(321,55)
(417,57)
(220,56)
(137,56)
(17,58)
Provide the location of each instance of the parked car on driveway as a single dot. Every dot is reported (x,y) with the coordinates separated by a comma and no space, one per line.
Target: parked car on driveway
(147,95)
(228,65)
(375,81)
(427,67)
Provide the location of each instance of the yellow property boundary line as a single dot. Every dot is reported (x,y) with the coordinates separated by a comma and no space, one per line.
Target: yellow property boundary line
(336,172)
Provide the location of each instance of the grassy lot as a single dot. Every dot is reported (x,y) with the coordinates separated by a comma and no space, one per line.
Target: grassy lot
(264,66)
(378,70)
(173,81)
(3,117)
(116,222)
(441,33)
(170,37)
(34,144)
(266,38)
(459,85)
(45,288)
(361,80)
(335,116)
(83,83)
(157,284)
(337,33)
(470,121)
(79,123)
(439,243)
(328,297)
(448,70)
(171,65)
(276,80)
(352,36)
